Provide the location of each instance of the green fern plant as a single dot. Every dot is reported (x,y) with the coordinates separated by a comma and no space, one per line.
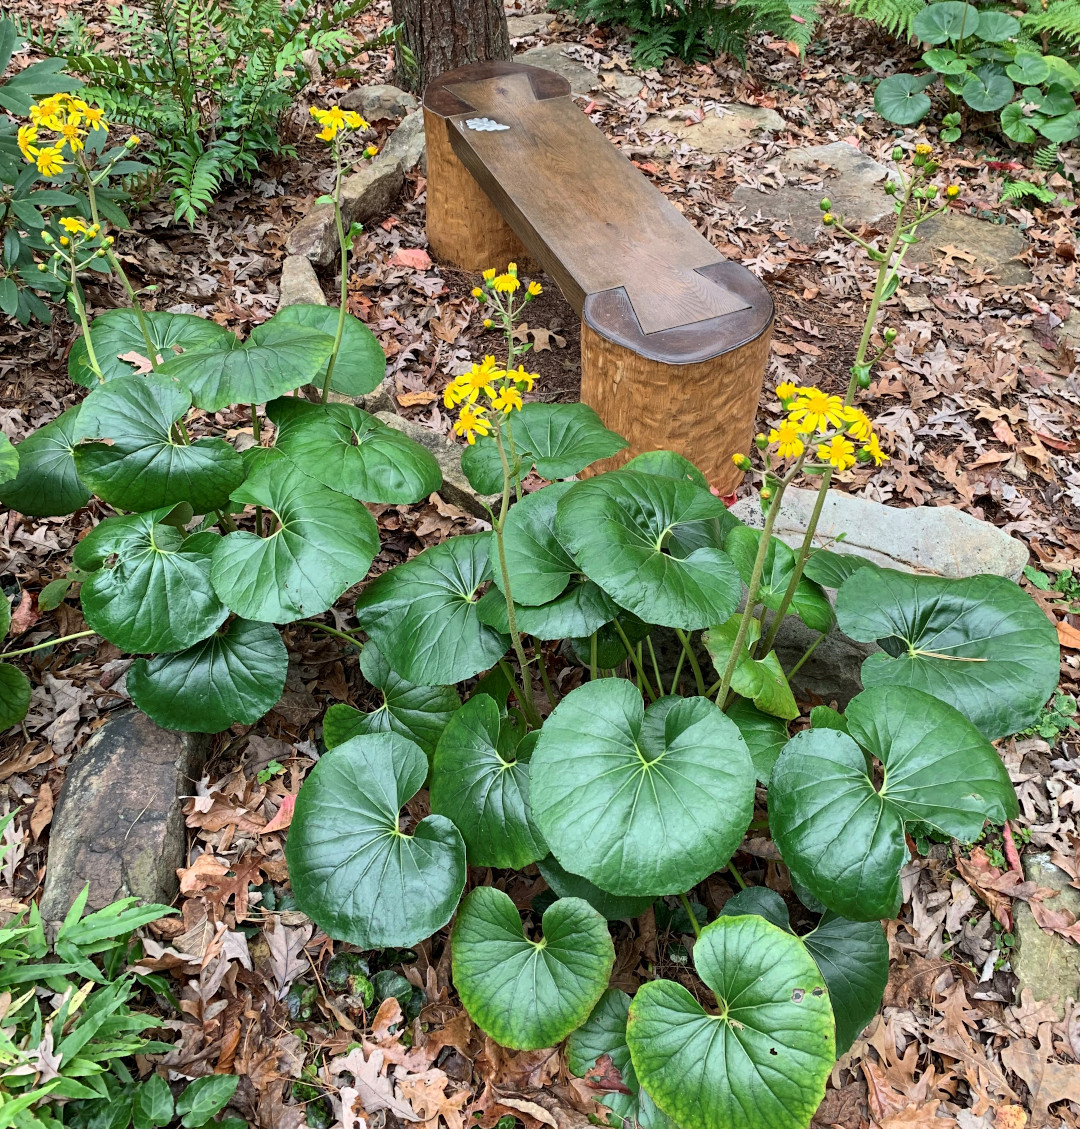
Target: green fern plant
(1054,24)
(892,16)
(1023,189)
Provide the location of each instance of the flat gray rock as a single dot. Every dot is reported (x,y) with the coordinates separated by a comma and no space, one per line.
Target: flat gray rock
(118,824)
(379,102)
(723,130)
(552,57)
(531,23)
(973,242)
(455,488)
(1046,964)
(406,144)
(299,283)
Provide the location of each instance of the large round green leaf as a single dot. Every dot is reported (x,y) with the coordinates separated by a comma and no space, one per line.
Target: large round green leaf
(47,484)
(351,451)
(559,439)
(150,585)
(324,544)
(853,957)
(988,89)
(667,464)
(604,1033)
(422,614)
(420,713)
(640,802)
(130,455)
(618,526)
(354,872)
(361,363)
(948,20)
(1028,68)
(1016,124)
(480,779)
(830,569)
(996,27)
(275,359)
(980,644)
(842,837)
(529,994)
(809,603)
(764,734)
(763,1059)
(901,98)
(116,334)
(761,900)
(539,565)
(567,885)
(14,695)
(235,676)
(579,611)
(9,460)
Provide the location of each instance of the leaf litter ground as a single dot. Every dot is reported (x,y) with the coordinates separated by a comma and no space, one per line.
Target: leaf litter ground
(980,403)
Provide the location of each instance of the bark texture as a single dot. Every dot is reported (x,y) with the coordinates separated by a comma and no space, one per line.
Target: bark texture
(446,34)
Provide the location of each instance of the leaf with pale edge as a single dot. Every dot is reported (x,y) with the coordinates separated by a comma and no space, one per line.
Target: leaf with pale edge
(47,484)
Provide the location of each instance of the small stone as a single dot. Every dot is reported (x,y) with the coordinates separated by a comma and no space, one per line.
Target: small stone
(299,283)
(314,237)
(310,59)
(553,57)
(728,128)
(455,488)
(406,143)
(993,246)
(623,84)
(379,102)
(119,824)
(1046,964)
(855,189)
(381,400)
(532,23)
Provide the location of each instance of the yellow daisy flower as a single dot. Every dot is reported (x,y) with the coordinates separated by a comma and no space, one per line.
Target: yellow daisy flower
(873,451)
(856,424)
(49,161)
(74,226)
(489,274)
(787,436)
(838,452)
(93,116)
(535,289)
(26,137)
(353,120)
(471,423)
(506,283)
(814,410)
(72,136)
(506,400)
(520,376)
(786,391)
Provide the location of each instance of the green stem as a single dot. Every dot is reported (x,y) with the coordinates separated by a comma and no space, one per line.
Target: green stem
(114,261)
(592,656)
(684,639)
(809,651)
(736,875)
(631,650)
(333,631)
(655,665)
(690,913)
(80,309)
(508,671)
(256,432)
(344,294)
(47,643)
(678,671)
(545,678)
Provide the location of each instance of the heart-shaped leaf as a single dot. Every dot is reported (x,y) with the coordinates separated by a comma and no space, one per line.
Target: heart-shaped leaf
(945,61)
(480,779)
(275,359)
(604,1033)
(996,27)
(853,957)
(559,439)
(763,1059)
(901,98)
(579,611)
(951,19)
(830,569)
(324,544)
(539,565)
(765,735)
(235,676)
(422,614)
(150,585)
(667,464)
(9,460)
(938,769)
(47,484)
(980,644)
(117,335)
(1028,68)
(617,527)
(420,713)
(610,906)
(988,89)
(351,451)
(361,363)
(130,455)
(529,994)
(614,786)
(809,603)
(761,680)
(761,900)
(14,695)
(353,871)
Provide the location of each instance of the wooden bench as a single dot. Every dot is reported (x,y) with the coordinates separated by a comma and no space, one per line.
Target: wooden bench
(674,338)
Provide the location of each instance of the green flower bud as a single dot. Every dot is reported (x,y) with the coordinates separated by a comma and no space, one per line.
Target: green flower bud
(931,168)
(890,187)
(42,267)
(761,441)
(931,191)
(47,237)
(825,205)
(897,153)
(889,335)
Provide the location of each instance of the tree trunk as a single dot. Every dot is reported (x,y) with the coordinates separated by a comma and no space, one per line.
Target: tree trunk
(445,34)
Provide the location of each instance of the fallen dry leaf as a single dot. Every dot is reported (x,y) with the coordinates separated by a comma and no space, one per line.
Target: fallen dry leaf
(415,257)
(1068,636)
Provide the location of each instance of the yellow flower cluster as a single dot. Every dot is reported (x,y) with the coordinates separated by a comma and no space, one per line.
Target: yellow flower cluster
(334,120)
(69,120)
(501,387)
(506,283)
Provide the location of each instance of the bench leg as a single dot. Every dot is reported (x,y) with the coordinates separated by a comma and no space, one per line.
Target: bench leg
(463,225)
(705,411)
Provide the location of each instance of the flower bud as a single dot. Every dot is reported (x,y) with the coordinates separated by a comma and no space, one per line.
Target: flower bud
(931,191)
(890,187)
(477,292)
(133,142)
(889,335)
(488,323)
(99,253)
(897,153)
(766,493)
(828,219)
(825,205)
(952,191)
(742,462)
(761,441)
(47,237)
(42,267)
(931,168)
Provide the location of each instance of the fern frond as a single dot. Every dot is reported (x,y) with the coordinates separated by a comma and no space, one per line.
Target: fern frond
(1021,189)
(1047,158)
(1059,21)
(893,16)
(196,176)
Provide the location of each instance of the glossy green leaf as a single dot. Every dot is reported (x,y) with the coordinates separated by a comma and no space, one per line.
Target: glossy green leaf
(47,484)
(204,1097)
(235,676)
(667,464)
(610,650)
(830,569)
(901,98)
(539,565)
(949,20)
(613,786)
(996,27)
(761,900)
(150,585)
(853,957)
(324,544)
(116,334)
(1028,68)
(152,1104)
(763,1059)
(129,454)
(275,359)
(579,611)
(480,780)
(1017,125)
(14,695)
(361,363)
(945,61)
(9,460)
(422,614)
(988,89)
(353,871)
(764,735)
(938,769)
(760,680)
(529,994)
(980,644)
(617,527)
(604,1033)
(420,713)
(610,906)
(809,603)
(351,451)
